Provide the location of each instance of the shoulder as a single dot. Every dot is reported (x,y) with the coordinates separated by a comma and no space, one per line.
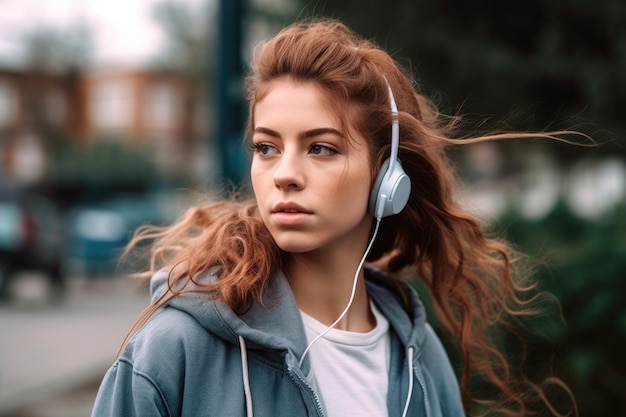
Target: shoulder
(167,324)
(170,340)
(152,370)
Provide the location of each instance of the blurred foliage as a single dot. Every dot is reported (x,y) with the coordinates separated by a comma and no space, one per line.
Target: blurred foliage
(97,171)
(537,64)
(190,32)
(579,333)
(58,50)
(585,269)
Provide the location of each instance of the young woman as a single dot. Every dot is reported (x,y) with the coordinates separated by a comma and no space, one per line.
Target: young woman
(264,306)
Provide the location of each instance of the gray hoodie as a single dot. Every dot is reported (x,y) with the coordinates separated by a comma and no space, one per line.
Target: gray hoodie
(196,357)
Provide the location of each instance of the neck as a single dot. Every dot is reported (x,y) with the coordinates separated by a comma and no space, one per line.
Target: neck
(322,289)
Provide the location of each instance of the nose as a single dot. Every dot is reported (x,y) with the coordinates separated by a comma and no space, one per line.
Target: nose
(289,172)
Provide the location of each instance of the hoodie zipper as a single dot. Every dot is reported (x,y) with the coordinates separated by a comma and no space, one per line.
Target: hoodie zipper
(310,388)
(415,374)
(422,384)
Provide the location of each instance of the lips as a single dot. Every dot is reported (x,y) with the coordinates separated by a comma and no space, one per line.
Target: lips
(289,208)
(290,215)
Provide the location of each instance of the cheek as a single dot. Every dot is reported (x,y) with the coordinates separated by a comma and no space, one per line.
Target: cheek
(354,192)
(256,180)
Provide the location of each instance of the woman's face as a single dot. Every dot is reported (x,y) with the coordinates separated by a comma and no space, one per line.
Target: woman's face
(311,183)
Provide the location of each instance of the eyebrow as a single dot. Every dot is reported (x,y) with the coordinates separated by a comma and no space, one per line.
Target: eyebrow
(304,135)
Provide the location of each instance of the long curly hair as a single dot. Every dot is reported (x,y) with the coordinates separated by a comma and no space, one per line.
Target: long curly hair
(471,276)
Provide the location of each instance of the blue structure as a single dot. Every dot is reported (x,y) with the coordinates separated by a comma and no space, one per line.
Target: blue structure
(230,104)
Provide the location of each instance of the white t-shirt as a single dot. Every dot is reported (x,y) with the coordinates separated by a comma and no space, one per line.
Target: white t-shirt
(351,369)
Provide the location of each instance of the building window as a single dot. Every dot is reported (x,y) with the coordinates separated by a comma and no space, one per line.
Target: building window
(56,107)
(163,105)
(111,105)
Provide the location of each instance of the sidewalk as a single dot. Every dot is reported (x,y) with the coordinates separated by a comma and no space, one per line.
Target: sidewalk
(49,350)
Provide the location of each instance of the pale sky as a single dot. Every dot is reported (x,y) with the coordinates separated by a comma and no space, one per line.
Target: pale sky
(124,31)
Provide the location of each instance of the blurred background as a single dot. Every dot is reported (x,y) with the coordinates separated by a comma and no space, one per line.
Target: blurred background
(113,114)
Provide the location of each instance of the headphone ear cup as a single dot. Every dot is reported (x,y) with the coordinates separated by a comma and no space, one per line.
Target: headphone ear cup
(395,186)
(374,195)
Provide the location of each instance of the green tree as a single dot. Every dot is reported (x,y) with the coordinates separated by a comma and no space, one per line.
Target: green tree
(535,64)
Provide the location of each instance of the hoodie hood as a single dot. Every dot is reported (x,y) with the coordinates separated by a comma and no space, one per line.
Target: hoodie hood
(400,304)
(278,326)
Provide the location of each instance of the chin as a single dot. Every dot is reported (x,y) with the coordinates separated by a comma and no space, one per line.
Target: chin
(295,247)
(293,244)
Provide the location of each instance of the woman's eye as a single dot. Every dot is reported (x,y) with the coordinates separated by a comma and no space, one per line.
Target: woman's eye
(264,148)
(319,149)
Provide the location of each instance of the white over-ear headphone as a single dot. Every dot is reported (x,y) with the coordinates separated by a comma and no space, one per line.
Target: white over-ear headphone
(392,187)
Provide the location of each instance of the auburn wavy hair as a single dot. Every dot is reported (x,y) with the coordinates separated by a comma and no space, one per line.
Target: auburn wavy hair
(471,276)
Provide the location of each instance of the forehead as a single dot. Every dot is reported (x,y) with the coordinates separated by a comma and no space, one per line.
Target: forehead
(288,96)
(283,97)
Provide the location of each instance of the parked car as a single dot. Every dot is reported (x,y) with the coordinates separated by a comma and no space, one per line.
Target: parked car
(32,237)
(99,232)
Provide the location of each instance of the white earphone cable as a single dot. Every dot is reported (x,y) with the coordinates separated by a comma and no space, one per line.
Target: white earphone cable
(356,278)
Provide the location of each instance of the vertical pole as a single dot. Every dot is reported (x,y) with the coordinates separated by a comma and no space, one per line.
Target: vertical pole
(230,95)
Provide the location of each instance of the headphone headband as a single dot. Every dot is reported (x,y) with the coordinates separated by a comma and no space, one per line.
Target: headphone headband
(392,186)
(395,130)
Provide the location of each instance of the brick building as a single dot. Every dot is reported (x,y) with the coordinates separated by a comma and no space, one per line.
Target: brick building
(153,112)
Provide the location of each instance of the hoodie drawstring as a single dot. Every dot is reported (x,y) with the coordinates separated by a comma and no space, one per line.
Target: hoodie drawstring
(409,359)
(244,374)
